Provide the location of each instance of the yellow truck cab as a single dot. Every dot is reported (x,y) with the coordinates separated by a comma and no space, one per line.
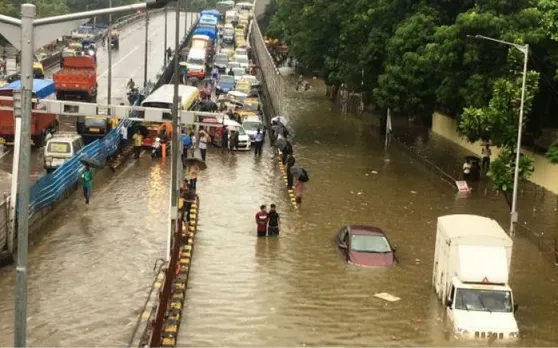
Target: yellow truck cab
(38,70)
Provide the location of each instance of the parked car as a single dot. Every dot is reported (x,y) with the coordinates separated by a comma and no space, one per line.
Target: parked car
(225,84)
(366,246)
(238,73)
(251,125)
(242,60)
(221,61)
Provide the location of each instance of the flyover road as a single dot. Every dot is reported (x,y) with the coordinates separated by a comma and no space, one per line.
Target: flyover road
(127,62)
(90,266)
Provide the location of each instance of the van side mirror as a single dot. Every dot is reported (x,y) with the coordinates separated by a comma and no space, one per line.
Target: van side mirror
(449,303)
(515,307)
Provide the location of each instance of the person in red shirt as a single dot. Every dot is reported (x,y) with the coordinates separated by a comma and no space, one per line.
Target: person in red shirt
(261,221)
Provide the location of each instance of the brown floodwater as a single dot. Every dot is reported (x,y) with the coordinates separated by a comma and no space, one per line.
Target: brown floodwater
(296,289)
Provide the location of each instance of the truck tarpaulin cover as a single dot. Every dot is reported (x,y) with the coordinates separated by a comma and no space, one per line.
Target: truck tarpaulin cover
(41,88)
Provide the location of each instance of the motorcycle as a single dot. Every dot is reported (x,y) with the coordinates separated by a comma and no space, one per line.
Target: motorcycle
(156,148)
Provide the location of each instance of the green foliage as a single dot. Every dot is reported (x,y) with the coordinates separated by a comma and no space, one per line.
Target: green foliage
(552,154)
(502,170)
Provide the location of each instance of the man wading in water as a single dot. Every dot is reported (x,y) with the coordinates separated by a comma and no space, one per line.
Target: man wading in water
(274,222)
(86,179)
(261,221)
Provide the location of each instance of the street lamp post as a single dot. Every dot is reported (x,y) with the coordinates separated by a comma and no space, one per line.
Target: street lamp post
(145,61)
(109,39)
(525,50)
(165,42)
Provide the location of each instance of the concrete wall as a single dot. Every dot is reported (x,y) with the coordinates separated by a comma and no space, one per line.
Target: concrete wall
(545,174)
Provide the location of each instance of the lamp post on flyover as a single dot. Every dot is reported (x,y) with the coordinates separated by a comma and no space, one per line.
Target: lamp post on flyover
(146,49)
(109,84)
(175,143)
(27,34)
(525,50)
(165,42)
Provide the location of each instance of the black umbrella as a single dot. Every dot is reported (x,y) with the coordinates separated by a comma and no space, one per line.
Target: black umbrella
(143,130)
(90,162)
(192,81)
(188,162)
(208,105)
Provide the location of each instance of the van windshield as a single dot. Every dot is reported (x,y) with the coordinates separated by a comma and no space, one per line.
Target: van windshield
(195,61)
(58,147)
(483,300)
(96,122)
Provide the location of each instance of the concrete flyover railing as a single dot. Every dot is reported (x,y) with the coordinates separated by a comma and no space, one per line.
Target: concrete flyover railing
(268,72)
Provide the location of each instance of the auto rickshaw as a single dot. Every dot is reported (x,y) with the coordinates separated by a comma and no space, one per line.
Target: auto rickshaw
(253,104)
(94,128)
(38,70)
(153,130)
(243,86)
(242,114)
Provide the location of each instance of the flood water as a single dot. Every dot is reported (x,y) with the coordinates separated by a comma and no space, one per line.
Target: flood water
(296,289)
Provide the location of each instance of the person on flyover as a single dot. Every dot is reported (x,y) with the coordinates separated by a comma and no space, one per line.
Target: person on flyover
(131,84)
(86,180)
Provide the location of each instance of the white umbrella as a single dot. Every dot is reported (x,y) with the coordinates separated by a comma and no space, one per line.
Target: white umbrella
(280,119)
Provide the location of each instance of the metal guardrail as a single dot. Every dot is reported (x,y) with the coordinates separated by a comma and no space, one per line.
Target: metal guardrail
(51,187)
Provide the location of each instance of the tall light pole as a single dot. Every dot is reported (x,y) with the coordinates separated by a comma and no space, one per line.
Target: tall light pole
(165,48)
(109,39)
(525,50)
(146,49)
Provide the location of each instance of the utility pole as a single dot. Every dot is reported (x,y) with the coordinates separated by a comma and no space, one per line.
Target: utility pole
(109,39)
(165,48)
(175,135)
(28,13)
(146,49)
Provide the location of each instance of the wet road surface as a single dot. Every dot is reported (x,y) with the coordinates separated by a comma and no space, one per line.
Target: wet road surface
(127,62)
(295,289)
(90,267)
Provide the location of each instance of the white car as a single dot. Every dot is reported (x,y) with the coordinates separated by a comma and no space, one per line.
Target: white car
(238,73)
(251,125)
(242,60)
(241,52)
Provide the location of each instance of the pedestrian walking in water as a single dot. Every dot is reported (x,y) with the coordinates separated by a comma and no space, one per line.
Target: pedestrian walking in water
(273,222)
(193,172)
(258,142)
(124,137)
(290,163)
(233,142)
(261,221)
(204,139)
(485,154)
(225,139)
(301,177)
(86,180)
(189,197)
(186,145)
(138,139)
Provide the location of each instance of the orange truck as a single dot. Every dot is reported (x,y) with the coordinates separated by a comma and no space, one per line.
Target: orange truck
(41,123)
(77,80)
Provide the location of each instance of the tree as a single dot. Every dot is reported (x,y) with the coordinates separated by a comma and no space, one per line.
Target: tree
(498,123)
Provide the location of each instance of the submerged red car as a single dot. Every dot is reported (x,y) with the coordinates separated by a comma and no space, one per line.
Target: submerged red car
(366,246)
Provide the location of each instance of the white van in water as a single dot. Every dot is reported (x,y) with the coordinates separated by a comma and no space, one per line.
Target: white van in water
(60,149)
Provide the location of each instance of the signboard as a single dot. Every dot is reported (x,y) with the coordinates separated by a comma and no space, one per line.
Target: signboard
(462,186)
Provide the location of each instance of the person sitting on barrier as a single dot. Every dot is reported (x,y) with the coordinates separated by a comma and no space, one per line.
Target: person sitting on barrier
(189,197)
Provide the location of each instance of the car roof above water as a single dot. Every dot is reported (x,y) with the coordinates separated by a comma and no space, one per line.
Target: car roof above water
(366,230)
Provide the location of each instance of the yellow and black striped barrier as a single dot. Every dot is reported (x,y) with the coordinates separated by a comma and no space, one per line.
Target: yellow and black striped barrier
(285,180)
(173,318)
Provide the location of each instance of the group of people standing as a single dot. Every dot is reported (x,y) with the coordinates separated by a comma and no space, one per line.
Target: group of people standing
(296,175)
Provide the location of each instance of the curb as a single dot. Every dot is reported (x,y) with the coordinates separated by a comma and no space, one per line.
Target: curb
(173,317)
(290,191)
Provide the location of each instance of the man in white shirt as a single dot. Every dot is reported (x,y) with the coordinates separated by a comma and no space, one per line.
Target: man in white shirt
(123,137)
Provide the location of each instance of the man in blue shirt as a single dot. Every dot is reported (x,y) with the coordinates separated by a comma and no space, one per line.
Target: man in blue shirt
(186,144)
(258,142)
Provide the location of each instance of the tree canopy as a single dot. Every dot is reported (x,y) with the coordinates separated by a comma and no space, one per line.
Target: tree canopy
(417,56)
